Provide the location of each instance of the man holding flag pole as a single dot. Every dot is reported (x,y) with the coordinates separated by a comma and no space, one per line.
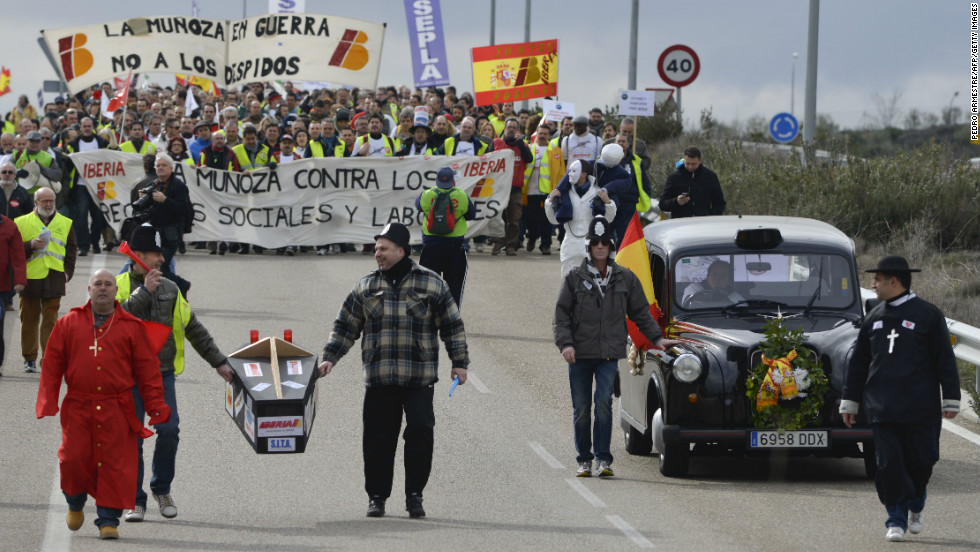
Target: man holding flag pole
(590,328)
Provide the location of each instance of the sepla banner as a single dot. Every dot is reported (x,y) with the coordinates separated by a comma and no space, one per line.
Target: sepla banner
(308,202)
(268,47)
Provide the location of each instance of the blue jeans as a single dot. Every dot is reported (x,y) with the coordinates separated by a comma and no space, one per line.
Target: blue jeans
(898,514)
(587,436)
(107,516)
(165,451)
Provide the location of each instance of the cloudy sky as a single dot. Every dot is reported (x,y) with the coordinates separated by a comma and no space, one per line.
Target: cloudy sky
(918,49)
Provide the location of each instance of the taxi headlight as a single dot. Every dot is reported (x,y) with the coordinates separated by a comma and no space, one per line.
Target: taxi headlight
(687,368)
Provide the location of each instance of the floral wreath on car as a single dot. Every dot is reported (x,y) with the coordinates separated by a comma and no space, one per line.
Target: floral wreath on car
(786,389)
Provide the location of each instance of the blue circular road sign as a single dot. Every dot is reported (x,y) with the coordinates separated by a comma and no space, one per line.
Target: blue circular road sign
(784,128)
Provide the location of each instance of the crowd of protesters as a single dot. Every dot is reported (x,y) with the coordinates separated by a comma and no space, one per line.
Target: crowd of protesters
(261,126)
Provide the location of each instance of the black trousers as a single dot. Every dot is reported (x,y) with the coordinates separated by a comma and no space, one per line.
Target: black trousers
(383,407)
(905,455)
(447,259)
(538,226)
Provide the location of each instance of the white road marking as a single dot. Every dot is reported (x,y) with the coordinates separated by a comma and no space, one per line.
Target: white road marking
(57,537)
(962,432)
(592,499)
(471,378)
(631,534)
(546,456)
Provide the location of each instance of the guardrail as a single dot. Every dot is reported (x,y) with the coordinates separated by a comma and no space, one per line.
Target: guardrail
(966,338)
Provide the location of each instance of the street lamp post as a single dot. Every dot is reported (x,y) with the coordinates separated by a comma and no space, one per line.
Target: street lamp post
(949,110)
(792,87)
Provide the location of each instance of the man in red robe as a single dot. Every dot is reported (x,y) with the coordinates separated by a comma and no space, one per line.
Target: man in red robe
(101,351)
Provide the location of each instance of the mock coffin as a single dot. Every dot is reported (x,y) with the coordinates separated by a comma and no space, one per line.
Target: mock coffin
(272,396)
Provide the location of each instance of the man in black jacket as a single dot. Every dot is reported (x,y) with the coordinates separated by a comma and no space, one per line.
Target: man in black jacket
(692,190)
(902,359)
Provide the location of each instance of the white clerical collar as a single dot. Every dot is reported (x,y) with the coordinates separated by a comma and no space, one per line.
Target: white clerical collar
(901,300)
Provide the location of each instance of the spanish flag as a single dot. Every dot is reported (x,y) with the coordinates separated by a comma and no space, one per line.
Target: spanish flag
(633,255)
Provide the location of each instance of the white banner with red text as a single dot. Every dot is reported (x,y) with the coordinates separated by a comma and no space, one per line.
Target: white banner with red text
(308,202)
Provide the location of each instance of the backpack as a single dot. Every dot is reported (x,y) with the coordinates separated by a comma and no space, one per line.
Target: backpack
(442,216)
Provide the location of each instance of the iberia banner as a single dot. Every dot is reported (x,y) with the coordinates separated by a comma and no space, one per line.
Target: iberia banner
(514,72)
(269,47)
(311,201)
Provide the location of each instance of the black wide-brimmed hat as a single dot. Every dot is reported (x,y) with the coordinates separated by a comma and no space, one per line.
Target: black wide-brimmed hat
(893,264)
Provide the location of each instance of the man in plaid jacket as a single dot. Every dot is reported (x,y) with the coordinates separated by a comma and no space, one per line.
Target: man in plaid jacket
(398,311)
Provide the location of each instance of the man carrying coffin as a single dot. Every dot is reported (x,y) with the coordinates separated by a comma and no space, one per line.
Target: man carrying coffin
(101,352)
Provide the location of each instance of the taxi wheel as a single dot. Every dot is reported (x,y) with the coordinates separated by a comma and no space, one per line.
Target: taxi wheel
(674,459)
(870,459)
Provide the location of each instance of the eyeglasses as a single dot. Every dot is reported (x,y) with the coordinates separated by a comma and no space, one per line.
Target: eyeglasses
(6,172)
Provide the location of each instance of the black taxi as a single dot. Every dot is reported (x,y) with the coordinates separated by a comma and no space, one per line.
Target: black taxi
(718,280)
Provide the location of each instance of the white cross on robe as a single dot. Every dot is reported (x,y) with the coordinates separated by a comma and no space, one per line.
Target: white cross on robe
(891,340)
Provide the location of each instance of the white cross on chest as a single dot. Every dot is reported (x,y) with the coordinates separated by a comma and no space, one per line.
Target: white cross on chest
(95,348)
(891,340)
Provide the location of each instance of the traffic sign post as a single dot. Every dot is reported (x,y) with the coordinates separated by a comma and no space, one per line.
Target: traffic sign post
(784,128)
(678,66)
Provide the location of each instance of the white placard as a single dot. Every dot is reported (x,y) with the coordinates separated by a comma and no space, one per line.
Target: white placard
(637,102)
(556,110)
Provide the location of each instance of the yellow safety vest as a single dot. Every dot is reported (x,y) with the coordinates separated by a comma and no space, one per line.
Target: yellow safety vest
(544,171)
(128,147)
(643,204)
(261,158)
(51,257)
(449,146)
(182,315)
(316,148)
(389,144)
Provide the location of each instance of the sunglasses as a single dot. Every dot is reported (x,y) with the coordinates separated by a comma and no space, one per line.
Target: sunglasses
(6,172)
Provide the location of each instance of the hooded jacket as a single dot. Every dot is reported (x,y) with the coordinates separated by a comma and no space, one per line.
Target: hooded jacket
(595,323)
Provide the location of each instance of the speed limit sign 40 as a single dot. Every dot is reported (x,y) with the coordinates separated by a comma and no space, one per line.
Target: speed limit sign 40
(678,65)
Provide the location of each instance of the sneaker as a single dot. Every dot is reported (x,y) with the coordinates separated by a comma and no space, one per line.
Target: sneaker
(915,522)
(75,519)
(108,532)
(604,469)
(30,366)
(413,503)
(136,514)
(168,508)
(584,469)
(497,247)
(376,507)
(479,247)
(895,534)
(323,251)
(290,251)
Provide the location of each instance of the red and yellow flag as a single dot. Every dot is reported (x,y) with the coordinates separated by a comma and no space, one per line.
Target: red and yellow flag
(204,84)
(512,72)
(633,255)
(4,81)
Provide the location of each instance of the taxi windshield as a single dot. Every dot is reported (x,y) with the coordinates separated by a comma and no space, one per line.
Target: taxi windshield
(820,281)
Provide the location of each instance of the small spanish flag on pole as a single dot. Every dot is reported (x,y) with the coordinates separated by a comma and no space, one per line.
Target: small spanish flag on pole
(633,255)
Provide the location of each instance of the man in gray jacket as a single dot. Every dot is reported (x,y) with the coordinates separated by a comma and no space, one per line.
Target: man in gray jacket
(150,296)
(590,331)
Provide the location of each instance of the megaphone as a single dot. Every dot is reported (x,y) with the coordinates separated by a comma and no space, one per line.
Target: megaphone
(125,250)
